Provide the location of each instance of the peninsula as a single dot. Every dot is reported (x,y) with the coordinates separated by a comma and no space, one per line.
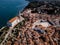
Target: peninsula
(37,24)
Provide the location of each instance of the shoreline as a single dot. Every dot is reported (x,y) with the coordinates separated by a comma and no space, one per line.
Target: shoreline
(38,27)
(10,11)
(2,28)
(16,15)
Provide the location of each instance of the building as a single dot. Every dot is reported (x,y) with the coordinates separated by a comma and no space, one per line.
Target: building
(14,21)
(41,22)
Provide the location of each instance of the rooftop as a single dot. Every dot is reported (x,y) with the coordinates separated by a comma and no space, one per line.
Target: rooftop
(13,19)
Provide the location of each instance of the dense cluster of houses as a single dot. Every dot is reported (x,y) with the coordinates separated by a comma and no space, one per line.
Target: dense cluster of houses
(39,29)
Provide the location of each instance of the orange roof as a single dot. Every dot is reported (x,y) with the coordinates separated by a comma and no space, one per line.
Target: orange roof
(13,19)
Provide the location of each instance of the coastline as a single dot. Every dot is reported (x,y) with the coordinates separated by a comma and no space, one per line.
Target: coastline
(36,28)
(9,9)
(2,28)
(14,16)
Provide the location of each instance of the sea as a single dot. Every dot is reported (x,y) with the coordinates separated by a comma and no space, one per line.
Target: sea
(10,9)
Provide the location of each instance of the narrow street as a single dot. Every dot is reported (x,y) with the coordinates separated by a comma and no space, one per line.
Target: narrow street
(6,36)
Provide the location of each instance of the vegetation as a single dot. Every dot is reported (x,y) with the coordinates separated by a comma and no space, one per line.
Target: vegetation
(35,4)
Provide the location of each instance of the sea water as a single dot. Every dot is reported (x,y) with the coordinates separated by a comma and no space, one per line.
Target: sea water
(9,9)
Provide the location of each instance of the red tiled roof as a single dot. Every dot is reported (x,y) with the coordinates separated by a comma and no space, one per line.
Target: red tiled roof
(13,19)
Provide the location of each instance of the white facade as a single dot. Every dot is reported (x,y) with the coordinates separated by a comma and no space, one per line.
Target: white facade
(13,22)
(44,24)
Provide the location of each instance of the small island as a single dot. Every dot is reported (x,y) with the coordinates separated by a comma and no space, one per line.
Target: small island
(37,24)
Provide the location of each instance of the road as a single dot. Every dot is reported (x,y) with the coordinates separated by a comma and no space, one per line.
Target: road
(10,30)
(6,36)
